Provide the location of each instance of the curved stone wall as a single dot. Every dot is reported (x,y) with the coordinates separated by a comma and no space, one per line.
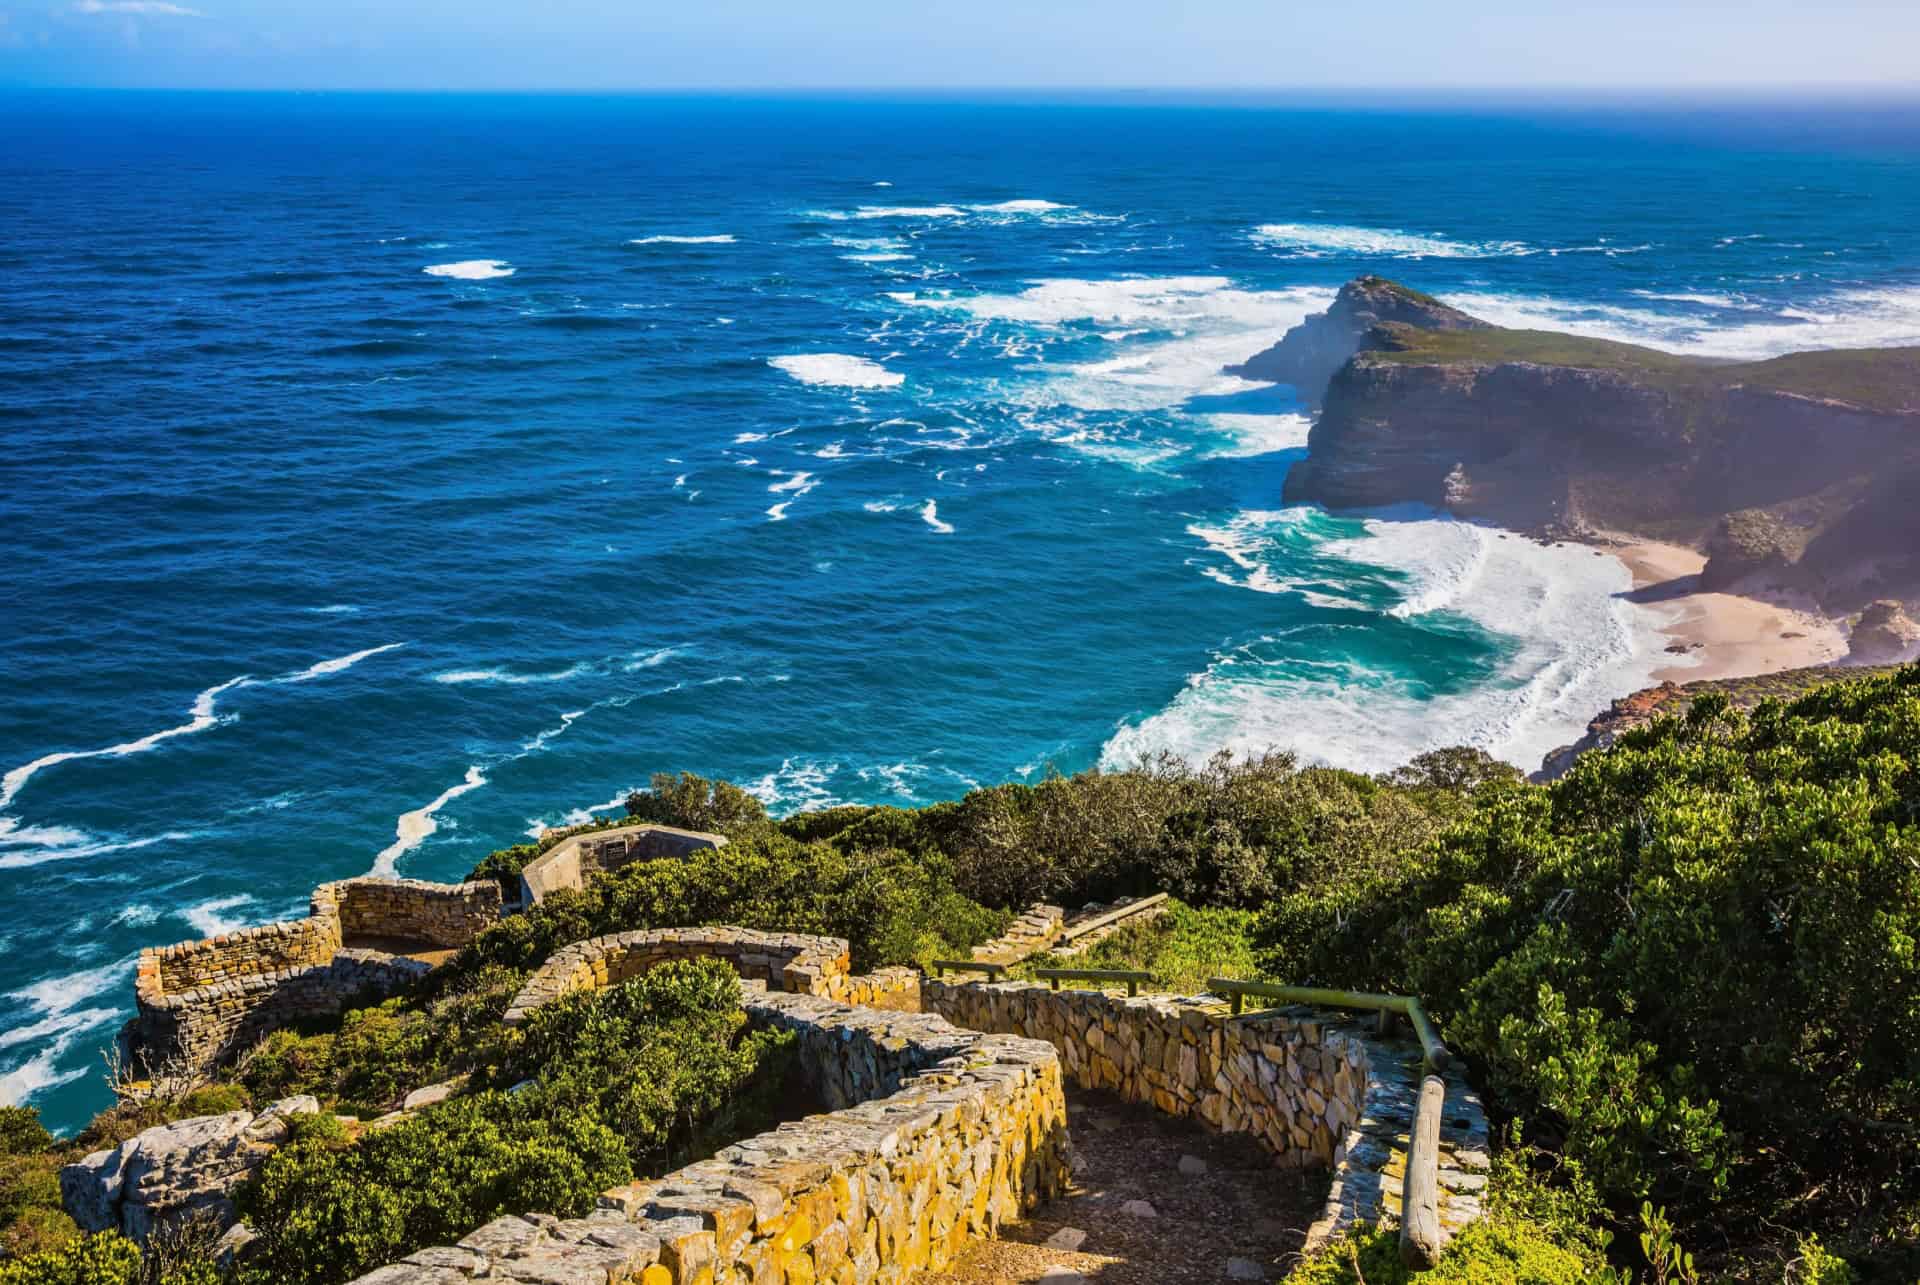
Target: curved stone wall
(794,962)
(942,1134)
(204,1001)
(1317,1089)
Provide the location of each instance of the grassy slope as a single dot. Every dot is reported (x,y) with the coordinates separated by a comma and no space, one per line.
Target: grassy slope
(1876,378)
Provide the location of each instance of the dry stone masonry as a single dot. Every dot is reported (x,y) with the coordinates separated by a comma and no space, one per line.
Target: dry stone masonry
(204,1001)
(941,1135)
(1316,1089)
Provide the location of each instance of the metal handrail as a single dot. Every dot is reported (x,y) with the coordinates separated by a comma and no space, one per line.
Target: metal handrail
(1437,1054)
(967,966)
(1132,978)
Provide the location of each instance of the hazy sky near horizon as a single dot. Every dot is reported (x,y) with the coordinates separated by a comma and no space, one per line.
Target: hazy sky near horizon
(780,44)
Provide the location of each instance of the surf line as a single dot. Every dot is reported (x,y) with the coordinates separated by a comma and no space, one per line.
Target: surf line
(203,714)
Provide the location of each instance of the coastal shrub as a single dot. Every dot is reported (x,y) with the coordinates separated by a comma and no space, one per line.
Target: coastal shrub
(1227,832)
(378,1053)
(636,1078)
(1693,963)
(503,867)
(327,1212)
(105,1259)
(665,1060)
(1181,947)
(694,803)
(1497,1250)
(891,907)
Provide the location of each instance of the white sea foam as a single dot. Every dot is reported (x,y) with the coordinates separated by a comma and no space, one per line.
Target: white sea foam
(471,269)
(1020,207)
(1569,642)
(1852,318)
(1209,323)
(1340,240)
(930,514)
(1258,434)
(22,858)
(837,369)
(537,826)
(202,714)
(878,256)
(652,659)
(799,483)
(57,1001)
(740,439)
(136,915)
(510,678)
(778,512)
(415,827)
(211,918)
(797,785)
(721,238)
(890,212)
(333,609)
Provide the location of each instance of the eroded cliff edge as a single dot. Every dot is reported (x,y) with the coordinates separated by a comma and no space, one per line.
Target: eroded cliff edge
(1793,474)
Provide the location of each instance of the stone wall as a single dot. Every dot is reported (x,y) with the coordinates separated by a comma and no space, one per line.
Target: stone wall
(1317,1089)
(944,1134)
(794,962)
(205,1001)
(572,862)
(438,914)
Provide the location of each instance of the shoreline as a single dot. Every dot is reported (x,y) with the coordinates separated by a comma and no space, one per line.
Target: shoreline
(1716,635)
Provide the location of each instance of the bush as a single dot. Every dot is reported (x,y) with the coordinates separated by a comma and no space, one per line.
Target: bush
(327,1212)
(891,907)
(694,803)
(637,1077)
(1182,947)
(1691,963)
(1497,1250)
(106,1259)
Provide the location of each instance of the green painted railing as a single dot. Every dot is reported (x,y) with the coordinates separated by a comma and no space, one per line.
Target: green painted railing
(995,971)
(1132,979)
(1406,1006)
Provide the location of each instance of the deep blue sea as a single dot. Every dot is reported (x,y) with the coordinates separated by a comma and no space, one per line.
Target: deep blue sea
(388,477)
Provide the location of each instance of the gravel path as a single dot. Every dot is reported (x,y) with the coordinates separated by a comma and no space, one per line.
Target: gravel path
(1218,1208)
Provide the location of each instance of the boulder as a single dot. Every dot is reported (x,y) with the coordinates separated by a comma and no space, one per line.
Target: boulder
(1884,635)
(175,1170)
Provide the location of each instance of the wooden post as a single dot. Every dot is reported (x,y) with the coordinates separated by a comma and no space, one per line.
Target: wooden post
(1421,1237)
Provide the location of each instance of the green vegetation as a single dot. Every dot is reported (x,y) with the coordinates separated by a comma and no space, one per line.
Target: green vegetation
(1686,976)
(1876,378)
(635,1079)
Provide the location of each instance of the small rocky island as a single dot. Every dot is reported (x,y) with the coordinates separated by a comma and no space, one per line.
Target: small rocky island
(1792,474)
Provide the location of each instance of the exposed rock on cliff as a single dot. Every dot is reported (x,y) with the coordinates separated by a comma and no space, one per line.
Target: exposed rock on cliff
(1308,355)
(1789,471)
(1884,635)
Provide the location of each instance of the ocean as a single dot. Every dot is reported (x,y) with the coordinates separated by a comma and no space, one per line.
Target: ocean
(388,477)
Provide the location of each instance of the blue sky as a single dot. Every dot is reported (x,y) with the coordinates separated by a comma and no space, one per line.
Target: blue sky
(651,44)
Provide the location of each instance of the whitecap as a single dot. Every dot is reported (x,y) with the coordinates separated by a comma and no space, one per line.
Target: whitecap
(211,918)
(721,238)
(740,439)
(652,659)
(778,512)
(799,482)
(136,915)
(837,369)
(890,212)
(1568,641)
(797,785)
(1020,207)
(415,827)
(930,514)
(878,256)
(471,269)
(1327,240)
(537,826)
(335,666)
(333,609)
(509,677)
(20,859)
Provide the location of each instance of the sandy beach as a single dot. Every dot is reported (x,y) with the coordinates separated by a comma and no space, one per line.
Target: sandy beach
(1723,635)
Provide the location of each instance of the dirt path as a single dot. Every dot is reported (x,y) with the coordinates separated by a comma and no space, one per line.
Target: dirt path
(1238,1218)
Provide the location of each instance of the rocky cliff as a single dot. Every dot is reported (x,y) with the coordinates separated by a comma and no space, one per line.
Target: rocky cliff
(1791,472)
(1307,356)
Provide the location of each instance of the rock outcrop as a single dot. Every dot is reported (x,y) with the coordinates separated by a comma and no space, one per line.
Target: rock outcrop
(1884,635)
(1308,355)
(175,1171)
(1789,471)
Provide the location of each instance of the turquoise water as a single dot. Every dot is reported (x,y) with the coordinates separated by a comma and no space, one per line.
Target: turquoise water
(388,477)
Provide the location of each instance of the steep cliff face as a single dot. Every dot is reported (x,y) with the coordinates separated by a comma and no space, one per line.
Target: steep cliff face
(1309,354)
(1791,470)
